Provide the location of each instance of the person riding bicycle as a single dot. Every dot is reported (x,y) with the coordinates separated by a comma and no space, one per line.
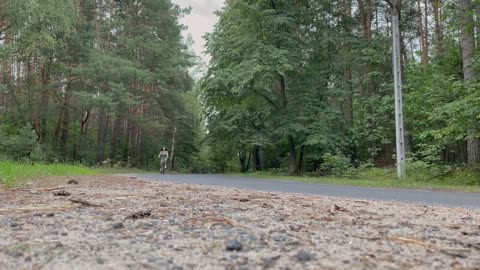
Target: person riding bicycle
(163,156)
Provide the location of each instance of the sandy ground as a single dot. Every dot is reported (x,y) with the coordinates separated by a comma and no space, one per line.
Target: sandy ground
(114,222)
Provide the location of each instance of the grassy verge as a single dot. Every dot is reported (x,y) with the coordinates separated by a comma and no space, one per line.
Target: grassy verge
(17,173)
(464,181)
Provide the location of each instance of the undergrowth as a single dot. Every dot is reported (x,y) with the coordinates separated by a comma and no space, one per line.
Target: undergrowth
(13,173)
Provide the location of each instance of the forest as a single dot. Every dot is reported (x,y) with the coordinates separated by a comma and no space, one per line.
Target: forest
(96,82)
(297,87)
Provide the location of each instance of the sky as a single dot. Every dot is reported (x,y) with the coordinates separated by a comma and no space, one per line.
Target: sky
(200,21)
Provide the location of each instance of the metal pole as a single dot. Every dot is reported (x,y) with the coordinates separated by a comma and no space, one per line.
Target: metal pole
(397,78)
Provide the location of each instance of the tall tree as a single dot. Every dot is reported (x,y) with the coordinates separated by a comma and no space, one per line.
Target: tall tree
(467,40)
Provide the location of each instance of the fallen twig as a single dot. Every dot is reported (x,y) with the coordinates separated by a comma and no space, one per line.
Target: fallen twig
(31,209)
(83,202)
(366,237)
(336,208)
(411,241)
(37,189)
(446,250)
(140,214)
(61,193)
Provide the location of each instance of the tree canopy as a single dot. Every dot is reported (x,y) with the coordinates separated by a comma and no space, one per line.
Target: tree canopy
(306,81)
(96,81)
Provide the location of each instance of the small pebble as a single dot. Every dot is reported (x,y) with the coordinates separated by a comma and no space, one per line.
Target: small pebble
(16,254)
(50,214)
(72,182)
(303,256)
(234,245)
(118,225)
(61,193)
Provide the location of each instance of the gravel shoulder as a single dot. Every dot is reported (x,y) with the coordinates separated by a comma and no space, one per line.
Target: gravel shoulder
(116,222)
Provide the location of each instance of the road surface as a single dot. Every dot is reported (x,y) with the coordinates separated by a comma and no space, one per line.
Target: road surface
(427,197)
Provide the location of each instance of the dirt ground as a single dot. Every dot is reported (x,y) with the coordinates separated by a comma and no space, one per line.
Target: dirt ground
(115,222)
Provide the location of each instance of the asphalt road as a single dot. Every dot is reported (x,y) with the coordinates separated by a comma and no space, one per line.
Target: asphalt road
(426,197)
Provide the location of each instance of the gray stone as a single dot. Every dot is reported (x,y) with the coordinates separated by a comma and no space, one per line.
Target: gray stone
(303,256)
(16,254)
(118,225)
(233,245)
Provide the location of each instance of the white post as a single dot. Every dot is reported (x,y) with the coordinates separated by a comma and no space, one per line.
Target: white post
(397,78)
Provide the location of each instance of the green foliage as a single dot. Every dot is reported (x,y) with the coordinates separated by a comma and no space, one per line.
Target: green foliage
(18,144)
(335,165)
(423,171)
(457,180)
(16,173)
(94,80)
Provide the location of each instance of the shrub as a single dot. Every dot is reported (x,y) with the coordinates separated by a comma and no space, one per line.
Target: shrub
(335,165)
(419,170)
(18,145)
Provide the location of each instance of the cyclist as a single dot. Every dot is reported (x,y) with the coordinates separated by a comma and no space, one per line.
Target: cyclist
(163,156)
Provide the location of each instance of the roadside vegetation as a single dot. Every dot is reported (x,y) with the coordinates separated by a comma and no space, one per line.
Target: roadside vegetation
(420,177)
(14,173)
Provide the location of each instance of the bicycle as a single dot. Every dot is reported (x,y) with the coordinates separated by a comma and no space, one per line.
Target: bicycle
(163,165)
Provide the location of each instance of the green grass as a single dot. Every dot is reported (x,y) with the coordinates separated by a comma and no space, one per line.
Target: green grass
(17,173)
(459,180)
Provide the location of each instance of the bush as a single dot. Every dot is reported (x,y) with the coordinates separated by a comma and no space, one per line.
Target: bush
(279,171)
(418,170)
(18,145)
(336,165)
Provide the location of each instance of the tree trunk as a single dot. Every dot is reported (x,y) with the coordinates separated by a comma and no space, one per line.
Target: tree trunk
(477,23)
(292,155)
(101,134)
(242,158)
(58,124)
(425,34)
(468,47)
(301,160)
(84,122)
(291,143)
(365,9)
(117,133)
(174,141)
(43,107)
(83,134)
(284,108)
(438,26)
(256,158)
(66,122)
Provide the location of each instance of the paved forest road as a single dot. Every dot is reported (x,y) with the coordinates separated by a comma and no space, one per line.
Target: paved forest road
(438,198)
